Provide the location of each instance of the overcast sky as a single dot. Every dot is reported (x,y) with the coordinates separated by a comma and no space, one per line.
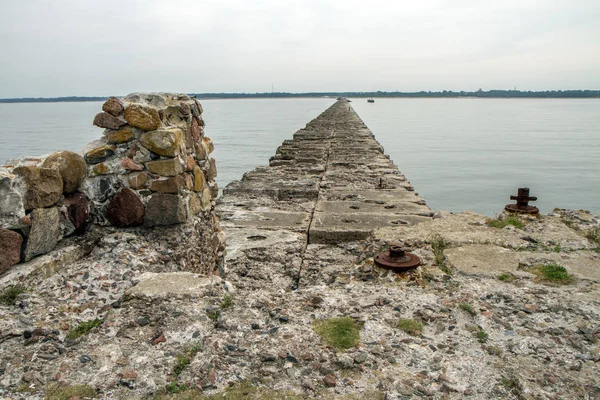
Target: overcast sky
(113,47)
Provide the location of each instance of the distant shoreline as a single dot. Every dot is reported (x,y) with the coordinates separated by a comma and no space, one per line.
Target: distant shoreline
(493,94)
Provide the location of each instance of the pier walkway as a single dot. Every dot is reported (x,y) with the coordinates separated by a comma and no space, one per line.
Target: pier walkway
(330,184)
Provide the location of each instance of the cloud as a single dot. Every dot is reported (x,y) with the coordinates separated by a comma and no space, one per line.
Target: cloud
(85,47)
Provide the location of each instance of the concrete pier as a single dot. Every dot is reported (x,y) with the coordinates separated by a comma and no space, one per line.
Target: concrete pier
(330,184)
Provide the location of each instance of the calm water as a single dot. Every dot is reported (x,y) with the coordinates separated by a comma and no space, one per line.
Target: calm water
(461,154)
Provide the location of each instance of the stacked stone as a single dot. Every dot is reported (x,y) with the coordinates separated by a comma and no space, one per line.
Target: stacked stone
(153,165)
(40,204)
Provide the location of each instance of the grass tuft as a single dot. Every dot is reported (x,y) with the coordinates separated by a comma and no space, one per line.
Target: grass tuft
(84,328)
(593,235)
(513,220)
(340,333)
(55,392)
(438,244)
(239,391)
(9,295)
(507,277)
(481,335)
(468,308)
(553,273)
(227,302)
(410,326)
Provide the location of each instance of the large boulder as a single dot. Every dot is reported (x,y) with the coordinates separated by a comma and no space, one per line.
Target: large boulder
(44,234)
(72,168)
(10,248)
(43,186)
(165,209)
(164,142)
(143,117)
(106,120)
(125,209)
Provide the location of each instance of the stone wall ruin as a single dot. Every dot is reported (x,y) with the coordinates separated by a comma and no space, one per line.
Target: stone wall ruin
(151,170)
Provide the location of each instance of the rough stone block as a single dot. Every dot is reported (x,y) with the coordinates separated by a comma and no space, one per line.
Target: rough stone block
(72,168)
(43,186)
(142,116)
(168,167)
(169,185)
(199,180)
(212,170)
(164,142)
(78,211)
(113,106)
(99,154)
(125,209)
(44,234)
(165,209)
(123,135)
(11,201)
(10,248)
(137,180)
(106,120)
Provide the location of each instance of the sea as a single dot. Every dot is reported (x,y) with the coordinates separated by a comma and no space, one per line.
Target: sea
(460,154)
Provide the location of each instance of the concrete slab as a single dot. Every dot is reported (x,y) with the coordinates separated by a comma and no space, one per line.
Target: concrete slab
(243,239)
(376,196)
(334,228)
(168,284)
(265,219)
(388,208)
(482,259)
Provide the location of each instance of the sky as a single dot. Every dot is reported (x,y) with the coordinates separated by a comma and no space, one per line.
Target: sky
(51,48)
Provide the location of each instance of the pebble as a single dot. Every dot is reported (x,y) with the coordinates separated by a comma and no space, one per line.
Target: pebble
(330,380)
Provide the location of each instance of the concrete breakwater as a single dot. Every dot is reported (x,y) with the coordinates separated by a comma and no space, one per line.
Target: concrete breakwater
(332,183)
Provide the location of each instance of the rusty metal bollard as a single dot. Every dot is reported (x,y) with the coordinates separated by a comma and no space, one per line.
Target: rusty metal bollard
(397,258)
(522,205)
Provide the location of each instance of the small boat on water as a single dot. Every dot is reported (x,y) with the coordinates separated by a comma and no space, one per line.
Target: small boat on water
(370,101)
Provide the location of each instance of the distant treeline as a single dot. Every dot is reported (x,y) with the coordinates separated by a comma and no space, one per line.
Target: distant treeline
(446,93)
(51,99)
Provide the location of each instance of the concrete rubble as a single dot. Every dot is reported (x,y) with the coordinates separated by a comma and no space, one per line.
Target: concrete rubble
(301,236)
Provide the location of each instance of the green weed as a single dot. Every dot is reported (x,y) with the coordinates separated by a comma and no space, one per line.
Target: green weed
(410,326)
(553,273)
(9,295)
(84,328)
(55,392)
(227,302)
(438,245)
(340,333)
(507,277)
(513,220)
(468,308)
(481,335)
